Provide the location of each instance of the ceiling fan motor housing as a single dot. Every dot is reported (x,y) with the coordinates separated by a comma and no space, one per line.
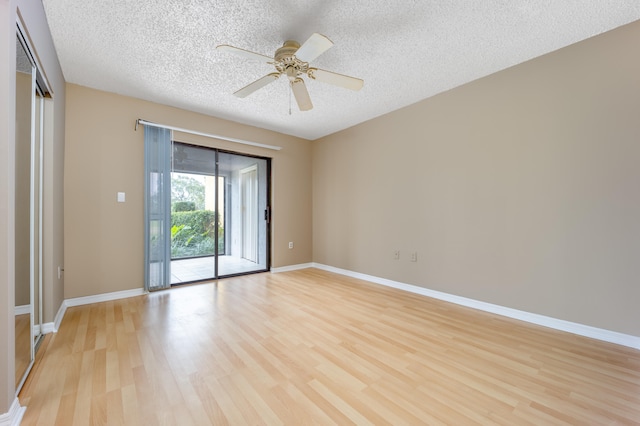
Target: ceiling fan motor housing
(286,61)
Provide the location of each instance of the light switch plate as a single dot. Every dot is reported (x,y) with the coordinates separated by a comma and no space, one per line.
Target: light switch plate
(121,197)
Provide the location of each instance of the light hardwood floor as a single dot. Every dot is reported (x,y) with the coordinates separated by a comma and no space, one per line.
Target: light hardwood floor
(311,347)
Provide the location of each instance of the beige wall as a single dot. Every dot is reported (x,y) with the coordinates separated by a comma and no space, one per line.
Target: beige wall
(34,22)
(104,155)
(521,189)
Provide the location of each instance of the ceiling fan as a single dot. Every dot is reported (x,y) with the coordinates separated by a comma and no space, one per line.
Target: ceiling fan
(292,60)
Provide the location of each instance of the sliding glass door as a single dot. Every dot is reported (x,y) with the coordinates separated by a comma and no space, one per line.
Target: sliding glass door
(219,214)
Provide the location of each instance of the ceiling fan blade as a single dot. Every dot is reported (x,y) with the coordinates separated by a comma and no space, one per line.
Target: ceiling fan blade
(315,46)
(244,53)
(301,94)
(335,79)
(258,84)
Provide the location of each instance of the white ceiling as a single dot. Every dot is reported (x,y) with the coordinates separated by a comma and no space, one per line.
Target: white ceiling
(406,51)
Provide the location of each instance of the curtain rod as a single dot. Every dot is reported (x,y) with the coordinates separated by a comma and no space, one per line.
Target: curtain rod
(207,135)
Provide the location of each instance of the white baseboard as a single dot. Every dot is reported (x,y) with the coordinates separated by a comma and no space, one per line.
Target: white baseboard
(554,323)
(14,416)
(557,324)
(22,309)
(104,297)
(58,319)
(292,268)
(48,327)
(86,300)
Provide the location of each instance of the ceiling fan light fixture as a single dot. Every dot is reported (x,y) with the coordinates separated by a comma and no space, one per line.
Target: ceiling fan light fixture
(292,73)
(292,60)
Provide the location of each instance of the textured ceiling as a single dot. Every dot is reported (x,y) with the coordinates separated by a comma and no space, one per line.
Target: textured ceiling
(406,51)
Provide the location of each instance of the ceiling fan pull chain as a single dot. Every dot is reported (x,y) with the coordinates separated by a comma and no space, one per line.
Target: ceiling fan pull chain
(290,98)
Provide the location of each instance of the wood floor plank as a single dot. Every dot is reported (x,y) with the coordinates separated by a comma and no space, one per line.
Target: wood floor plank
(312,347)
(202,402)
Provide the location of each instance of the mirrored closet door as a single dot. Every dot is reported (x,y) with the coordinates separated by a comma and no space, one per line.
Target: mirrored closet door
(28,209)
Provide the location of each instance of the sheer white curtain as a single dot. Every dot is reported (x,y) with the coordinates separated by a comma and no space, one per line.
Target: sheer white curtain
(157,208)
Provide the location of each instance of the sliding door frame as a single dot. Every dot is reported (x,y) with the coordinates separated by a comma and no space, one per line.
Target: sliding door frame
(266,214)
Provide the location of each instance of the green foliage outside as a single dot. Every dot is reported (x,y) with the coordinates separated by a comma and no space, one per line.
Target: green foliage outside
(193,234)
(192,227)
(200,222)
(183,206)
(185,188)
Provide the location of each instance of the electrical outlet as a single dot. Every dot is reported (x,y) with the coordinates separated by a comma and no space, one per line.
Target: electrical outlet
(414,257)
(290,244)
(396,254)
